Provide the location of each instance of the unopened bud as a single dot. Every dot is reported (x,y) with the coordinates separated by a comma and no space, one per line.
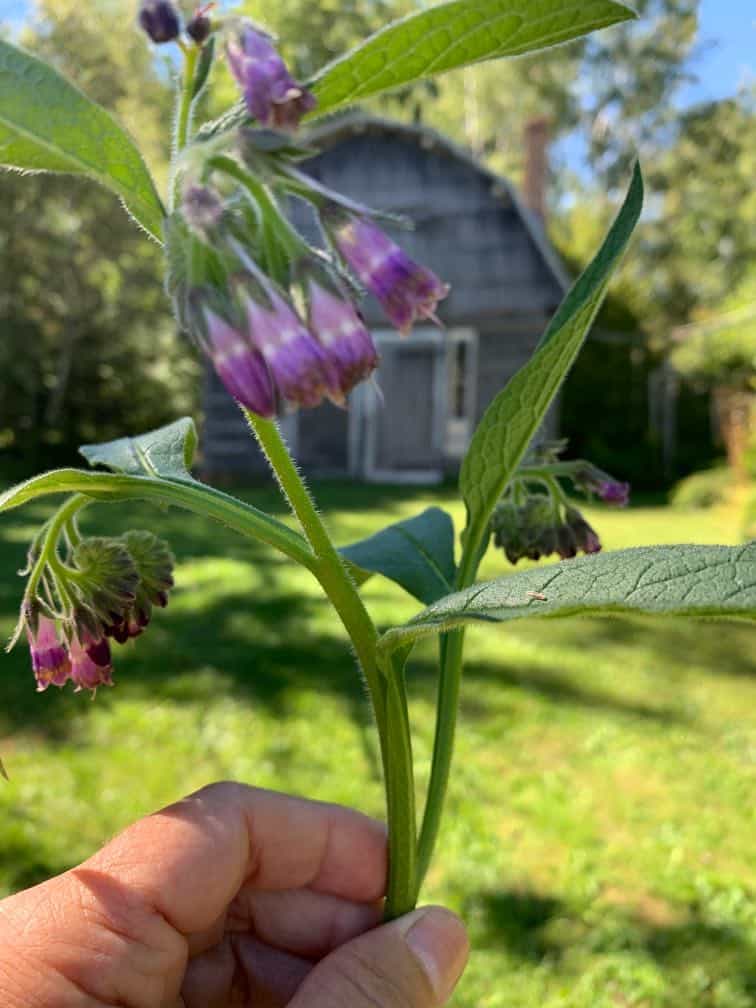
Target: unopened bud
(160,20)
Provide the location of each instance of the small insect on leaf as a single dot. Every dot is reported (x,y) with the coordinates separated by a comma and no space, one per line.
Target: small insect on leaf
(537,595)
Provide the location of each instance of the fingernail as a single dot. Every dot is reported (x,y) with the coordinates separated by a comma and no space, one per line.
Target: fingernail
(439,942)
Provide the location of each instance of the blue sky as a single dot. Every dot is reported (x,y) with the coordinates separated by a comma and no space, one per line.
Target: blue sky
(726,46)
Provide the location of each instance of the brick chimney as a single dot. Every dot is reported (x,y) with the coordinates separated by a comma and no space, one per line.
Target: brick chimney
(536,139)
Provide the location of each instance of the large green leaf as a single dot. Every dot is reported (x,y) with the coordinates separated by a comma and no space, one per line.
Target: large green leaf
(442,38)
(417,554)
(168,452)
(515,415)
(47,124)
(155,467)
(451,35)
(691,580)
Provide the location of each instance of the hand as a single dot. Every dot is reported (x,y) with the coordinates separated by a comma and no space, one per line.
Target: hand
(232,897)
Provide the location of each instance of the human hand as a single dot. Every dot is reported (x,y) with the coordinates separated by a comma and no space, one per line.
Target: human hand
(231,897)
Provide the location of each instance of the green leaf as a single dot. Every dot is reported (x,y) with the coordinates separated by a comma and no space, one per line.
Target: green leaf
(47,124)
(204,66)
(690,580)
(439,39)
(417,554)
(514,416)
(452,35)
(155,467)
(168,452)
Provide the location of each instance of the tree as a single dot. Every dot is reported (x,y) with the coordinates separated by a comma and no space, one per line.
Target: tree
(88,345)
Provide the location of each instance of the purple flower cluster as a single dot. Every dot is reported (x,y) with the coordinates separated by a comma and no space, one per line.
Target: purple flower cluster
(538,529)
(272,95)
(113,592)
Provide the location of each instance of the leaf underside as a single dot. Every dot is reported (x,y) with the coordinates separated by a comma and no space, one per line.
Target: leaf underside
(692,580)
(167,452)
(47,124)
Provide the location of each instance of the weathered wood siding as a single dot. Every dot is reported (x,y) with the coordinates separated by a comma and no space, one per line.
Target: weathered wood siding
(466,228)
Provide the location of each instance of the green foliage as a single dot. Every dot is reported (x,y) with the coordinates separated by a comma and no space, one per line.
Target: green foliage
(515,415)
(599,841)
(676,580)
(417,553)
(46,124)
(703,489)
(168,452)
(452,35)
(89,349)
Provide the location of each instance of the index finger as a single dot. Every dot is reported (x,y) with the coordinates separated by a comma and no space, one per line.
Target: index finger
(189,860)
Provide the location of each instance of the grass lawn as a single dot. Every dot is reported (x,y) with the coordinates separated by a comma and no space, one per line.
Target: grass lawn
(599,838)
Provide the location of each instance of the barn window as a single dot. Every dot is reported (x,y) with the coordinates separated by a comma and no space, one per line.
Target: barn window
(461,365)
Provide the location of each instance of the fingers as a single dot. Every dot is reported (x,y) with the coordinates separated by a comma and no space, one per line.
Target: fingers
(307,923)
(190,860)
(414,962)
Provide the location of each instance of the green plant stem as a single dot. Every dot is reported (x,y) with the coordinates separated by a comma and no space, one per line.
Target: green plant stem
(184,115)
(54,528)
(386,687)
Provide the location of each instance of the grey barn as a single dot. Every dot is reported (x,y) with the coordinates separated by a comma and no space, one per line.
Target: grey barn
(471,227)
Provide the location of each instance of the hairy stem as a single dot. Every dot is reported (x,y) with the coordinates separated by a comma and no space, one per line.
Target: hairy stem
(386,687)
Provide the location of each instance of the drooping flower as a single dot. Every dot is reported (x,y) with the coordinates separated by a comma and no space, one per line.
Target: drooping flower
(592,480)
(613,492)
(302,373)
(339,328)
(160,20)
(239,364)
(586,537)
(91,662)
(272,95)
(407,291)
(50,661)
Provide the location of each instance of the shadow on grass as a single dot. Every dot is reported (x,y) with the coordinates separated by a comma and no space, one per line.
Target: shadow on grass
(696,952)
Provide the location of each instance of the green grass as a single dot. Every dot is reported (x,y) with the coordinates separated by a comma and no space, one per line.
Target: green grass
(600,828)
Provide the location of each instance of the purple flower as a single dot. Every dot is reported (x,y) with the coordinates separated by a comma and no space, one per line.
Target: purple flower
(202,207)
(160,19)
(49,656)
(340,330)
(613,492)
(298,365)
(240,365)
(272,95)
(406,290)
(583,534)
(91,663)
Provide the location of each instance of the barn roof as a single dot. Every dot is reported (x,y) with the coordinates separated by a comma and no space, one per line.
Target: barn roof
(339,128)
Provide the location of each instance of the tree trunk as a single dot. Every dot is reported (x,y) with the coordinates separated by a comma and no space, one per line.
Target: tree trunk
(733,409)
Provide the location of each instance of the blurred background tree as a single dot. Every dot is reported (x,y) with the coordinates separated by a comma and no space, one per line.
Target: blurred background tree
(89,349)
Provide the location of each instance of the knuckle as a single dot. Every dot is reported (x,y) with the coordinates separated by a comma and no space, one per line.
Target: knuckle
(357,981)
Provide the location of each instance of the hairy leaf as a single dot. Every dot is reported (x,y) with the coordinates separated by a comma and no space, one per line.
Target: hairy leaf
(168,452)
(47,124)
(691,580)
(442,38)
(451,35)
(514,416)
(417,554)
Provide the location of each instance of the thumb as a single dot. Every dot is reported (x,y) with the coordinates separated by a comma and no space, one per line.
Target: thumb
(413,962)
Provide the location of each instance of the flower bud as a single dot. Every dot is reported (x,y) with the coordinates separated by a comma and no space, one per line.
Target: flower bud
(154,564)
(586,538)
(272,95)
(202,207)
(407,291)
(107,585)
(160,20)
(198,28)
(592,480)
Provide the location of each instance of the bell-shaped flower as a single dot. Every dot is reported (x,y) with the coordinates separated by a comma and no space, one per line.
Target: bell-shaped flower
(586,537)
(272,95)
(49,655)
(339,328)
(302,373)
(239,363)
(407,291)
(91,663)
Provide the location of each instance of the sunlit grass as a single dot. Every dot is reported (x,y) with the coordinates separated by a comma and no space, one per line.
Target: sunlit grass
(599,833)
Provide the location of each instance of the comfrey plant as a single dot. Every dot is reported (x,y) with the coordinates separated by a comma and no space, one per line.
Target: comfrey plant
(281,323)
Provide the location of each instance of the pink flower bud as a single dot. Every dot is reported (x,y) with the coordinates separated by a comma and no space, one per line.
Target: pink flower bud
(49,656)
